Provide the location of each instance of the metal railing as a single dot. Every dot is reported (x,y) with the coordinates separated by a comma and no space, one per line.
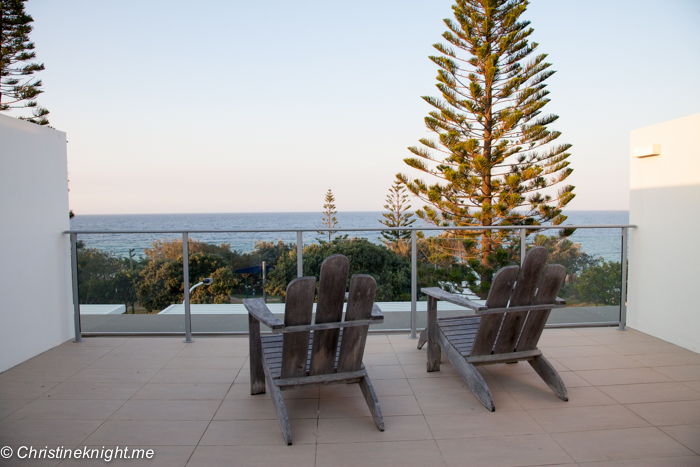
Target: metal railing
(624,228)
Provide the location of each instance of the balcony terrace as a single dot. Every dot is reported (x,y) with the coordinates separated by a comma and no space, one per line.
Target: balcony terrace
(634,400)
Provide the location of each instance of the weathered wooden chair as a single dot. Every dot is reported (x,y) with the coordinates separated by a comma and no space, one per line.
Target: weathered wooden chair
(505,329)
(330,351)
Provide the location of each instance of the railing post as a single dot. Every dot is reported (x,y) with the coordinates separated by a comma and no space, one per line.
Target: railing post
(414,284)
(300,250)
(523,245)
(623,283)
(186,279)
(264,277)
(74,278)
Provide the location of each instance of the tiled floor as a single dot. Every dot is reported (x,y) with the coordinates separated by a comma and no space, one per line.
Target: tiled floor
(634,401)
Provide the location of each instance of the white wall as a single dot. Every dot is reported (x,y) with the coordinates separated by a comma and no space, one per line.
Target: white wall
(664,264)
(35,288)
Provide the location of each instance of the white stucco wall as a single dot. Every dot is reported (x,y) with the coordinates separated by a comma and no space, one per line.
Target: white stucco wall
(664,274)
(35,287)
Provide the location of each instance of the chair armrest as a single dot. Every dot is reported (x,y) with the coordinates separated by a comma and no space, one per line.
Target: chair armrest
(376,313)
(258,309)
(439,294)
(516,309)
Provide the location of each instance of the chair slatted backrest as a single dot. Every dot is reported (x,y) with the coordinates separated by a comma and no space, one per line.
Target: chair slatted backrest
(547,293)
(500,332)
(499,294)
(523,294)
(360,301)
(329,309)
(298,311)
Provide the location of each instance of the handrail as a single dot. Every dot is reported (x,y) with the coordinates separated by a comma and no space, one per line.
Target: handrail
(299,235)
(321,229)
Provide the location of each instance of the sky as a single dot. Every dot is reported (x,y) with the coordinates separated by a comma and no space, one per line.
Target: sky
(243,106)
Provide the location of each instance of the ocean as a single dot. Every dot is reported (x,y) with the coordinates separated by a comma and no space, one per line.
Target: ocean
(605,243)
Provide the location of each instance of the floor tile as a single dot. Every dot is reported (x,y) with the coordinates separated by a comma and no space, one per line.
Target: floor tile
(480,424)
(167,410)
(148,433)
(570,341)
(539,398)
(46,432)
(668,359)
(256,432)
(182,391)
(24,390)
(523,450)
(380,347)
(55,409)
(112,375)
(604,417)
(171,396)
(80,351)
(463,402)
(211,363)
(683,461)
(380,359)
(242,391)
(385,372)
(651,392)
(622,376)
(302,455)
(20,374)
(88,391)
(357,407)
(383,388)
(261,408)
(621,444)
(418,371)
(363,429)
(687,435)
(101,341)
(8,406)
(194,375)
(598,362)
(695,385)
(669,413)
(681,373)
(646,348)
(380,454)
(121,362)
(579,351)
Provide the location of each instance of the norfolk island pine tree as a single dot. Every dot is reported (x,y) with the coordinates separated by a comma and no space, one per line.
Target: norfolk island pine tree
(398,214)
(18,88)
(494,158)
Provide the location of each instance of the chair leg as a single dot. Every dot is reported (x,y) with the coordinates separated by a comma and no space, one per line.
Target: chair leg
(471,376)
(372,402)
(550,376)
(280,408)
(423,338)
(433,363)
(476,383)
(257,375)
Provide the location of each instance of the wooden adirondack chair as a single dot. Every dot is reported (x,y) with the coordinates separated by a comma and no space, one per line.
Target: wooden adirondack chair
(506,329)
(330,351)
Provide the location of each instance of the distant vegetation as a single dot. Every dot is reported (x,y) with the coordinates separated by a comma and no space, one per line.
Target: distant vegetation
(154,281)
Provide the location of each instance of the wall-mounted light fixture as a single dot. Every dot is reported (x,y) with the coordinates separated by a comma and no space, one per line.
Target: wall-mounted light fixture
(647,151)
